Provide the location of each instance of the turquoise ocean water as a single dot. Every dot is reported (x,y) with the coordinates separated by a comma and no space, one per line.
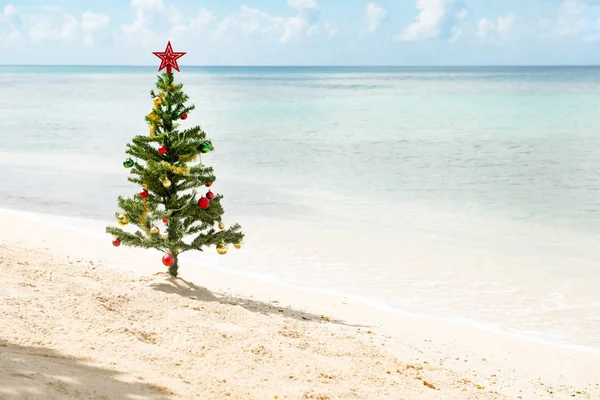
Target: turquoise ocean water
(468,194)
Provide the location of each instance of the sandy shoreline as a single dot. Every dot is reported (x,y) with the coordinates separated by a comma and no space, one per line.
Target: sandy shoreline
(80,320)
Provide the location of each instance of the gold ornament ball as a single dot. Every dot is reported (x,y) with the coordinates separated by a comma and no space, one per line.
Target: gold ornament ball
(166,183)
(238,245)
(122,219)
(222,248)
(145,186)
(157,101)
(221,225)
(155,230)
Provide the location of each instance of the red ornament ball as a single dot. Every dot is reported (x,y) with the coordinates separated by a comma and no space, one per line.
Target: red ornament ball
(165,221)
(168,260)
(184,116)
(203,202)
(144,194)
(210,195)
(162,150)
(209,184)
(116,242)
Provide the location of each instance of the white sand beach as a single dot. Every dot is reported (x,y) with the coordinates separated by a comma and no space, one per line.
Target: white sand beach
(80,319)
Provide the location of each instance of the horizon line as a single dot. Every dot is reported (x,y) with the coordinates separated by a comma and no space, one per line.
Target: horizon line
(311,66)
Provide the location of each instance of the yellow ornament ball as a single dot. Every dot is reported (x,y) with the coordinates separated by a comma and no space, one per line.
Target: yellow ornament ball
(166,183)
(222,248)
(155,230)
(122,219)
(238,245)
(157,101)
(221,225)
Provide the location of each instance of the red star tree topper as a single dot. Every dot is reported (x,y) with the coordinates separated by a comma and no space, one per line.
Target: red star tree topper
(169,58)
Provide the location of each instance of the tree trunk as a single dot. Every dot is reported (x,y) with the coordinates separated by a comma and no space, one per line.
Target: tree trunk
(173,268)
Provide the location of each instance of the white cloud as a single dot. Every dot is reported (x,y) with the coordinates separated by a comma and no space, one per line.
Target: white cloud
(505,24)
(69,28)
(456,34)
(44,27)
(303,24)
(203,19)
(330,30)
(252,21)
(12,18)
(573,18)
(147,5)
(302,3)
(294,26)
(151,21)
(249,21)
(437,18)
(47,8)
(490,29)
(10,12)
(141,30)
(485,27)
(175,17)
(375,14)
(41,28)
(49,23)
(91,23)
(181,27)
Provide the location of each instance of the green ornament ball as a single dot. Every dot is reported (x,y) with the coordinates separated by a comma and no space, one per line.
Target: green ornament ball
(128,163)
(205,147)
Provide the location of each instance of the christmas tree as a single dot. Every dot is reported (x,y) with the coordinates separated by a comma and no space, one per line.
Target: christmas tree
(168,212)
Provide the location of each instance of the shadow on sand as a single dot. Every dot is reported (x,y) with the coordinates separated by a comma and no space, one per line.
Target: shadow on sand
(28,372)
(189,290)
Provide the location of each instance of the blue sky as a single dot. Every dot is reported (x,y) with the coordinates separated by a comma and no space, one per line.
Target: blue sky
(301,32)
